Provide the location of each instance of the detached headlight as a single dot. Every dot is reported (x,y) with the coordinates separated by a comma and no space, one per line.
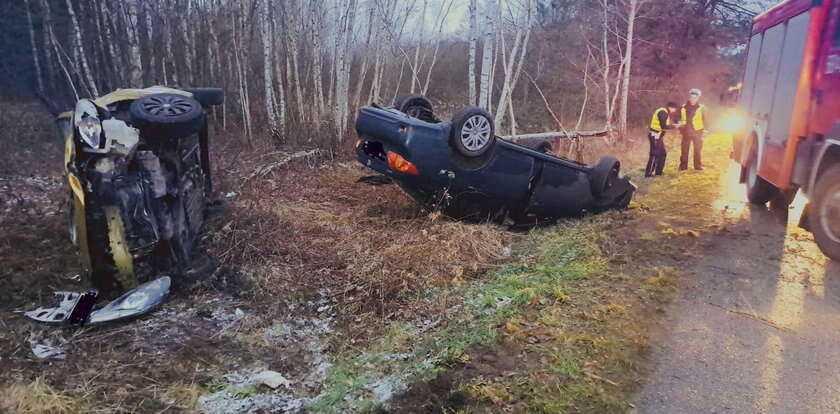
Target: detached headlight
(87,123)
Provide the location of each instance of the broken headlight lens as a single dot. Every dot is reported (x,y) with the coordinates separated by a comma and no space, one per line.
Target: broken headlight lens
(90,129)
(87,123)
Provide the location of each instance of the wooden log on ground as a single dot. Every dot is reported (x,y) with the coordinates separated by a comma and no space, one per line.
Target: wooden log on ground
(566,135)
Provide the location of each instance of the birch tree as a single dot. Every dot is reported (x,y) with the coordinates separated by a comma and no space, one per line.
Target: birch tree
(39,77)
(317,68)
(265,35)
(485,92)
(135,61)
(108,38)
(82,63)
(513,67)
(343,72)
(151,42)
(633,9)
(473,11)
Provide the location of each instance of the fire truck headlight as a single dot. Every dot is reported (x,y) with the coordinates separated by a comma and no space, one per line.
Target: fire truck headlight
(733,122)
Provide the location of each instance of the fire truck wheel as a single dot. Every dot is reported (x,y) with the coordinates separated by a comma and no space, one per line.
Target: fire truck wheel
(759,190)
(824,218)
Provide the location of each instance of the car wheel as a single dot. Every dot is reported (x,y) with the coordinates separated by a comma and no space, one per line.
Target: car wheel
(759,190)
(207,96)
(824,217)
(603,175)
(167,115)
(414,106)
(472,132)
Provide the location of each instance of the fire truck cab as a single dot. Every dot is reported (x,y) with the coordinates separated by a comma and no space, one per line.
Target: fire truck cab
(791,99)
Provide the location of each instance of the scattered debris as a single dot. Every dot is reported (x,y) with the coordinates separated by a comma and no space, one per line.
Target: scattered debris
(75,308)
(271,379)
(46,350)
(226,319)
(231,194)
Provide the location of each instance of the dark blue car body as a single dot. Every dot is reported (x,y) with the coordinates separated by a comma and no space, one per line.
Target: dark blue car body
(510,180)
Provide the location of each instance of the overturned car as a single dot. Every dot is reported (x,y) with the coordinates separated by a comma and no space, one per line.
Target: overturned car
(463,169)
(138,176)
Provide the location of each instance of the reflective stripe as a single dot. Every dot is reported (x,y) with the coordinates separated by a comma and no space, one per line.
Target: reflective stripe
(696,120)
(655,125)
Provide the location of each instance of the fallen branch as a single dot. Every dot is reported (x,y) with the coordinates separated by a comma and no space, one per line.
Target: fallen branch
(263,170)
(568,134)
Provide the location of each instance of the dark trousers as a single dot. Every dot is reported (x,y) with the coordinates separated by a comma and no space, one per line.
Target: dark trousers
(658,153)
(689,138)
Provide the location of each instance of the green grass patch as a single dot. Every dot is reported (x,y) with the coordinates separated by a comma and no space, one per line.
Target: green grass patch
(549,261)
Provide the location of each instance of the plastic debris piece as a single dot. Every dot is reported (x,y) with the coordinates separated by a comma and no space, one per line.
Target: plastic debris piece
(271,379)
(59,313)
(46,350)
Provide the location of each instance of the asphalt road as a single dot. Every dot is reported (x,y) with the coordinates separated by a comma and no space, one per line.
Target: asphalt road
(756,328)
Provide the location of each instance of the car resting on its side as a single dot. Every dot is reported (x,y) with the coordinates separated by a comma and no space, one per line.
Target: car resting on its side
(138,176)
(463,169)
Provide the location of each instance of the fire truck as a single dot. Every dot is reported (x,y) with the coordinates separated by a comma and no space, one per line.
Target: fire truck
(790,97)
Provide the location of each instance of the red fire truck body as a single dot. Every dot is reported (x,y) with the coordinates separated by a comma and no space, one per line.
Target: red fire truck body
(791,97)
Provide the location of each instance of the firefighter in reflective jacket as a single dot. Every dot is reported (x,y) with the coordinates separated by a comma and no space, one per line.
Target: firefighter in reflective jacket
(660,123)
(693,120)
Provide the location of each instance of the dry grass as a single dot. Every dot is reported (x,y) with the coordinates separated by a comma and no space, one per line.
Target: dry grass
(38,397)
(312,228)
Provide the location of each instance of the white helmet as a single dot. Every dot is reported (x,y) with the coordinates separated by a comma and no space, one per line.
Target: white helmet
(695,91)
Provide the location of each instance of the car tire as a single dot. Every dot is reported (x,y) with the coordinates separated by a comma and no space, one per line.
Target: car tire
(603,175)
(472,132)
(824,215)
(759,190)
(413,105)
(541,145)
(207,96)
(167,115)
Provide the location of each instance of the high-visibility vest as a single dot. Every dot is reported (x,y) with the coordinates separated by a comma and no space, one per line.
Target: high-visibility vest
(696,120)
(655,125)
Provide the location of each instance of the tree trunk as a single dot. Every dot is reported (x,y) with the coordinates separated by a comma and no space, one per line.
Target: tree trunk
(167,43)
(317,67)
(135,69)
(189,58)
(47,46)
(625,78)
(114,61)
(268,83)
(343,80)
(150,41)
(39,77)
(473,44)
(414,81)
(79,48)
(512,74)
(487,58)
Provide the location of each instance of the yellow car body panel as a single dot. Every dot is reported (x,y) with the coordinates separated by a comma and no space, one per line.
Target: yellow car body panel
(133,94)
(119,248)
